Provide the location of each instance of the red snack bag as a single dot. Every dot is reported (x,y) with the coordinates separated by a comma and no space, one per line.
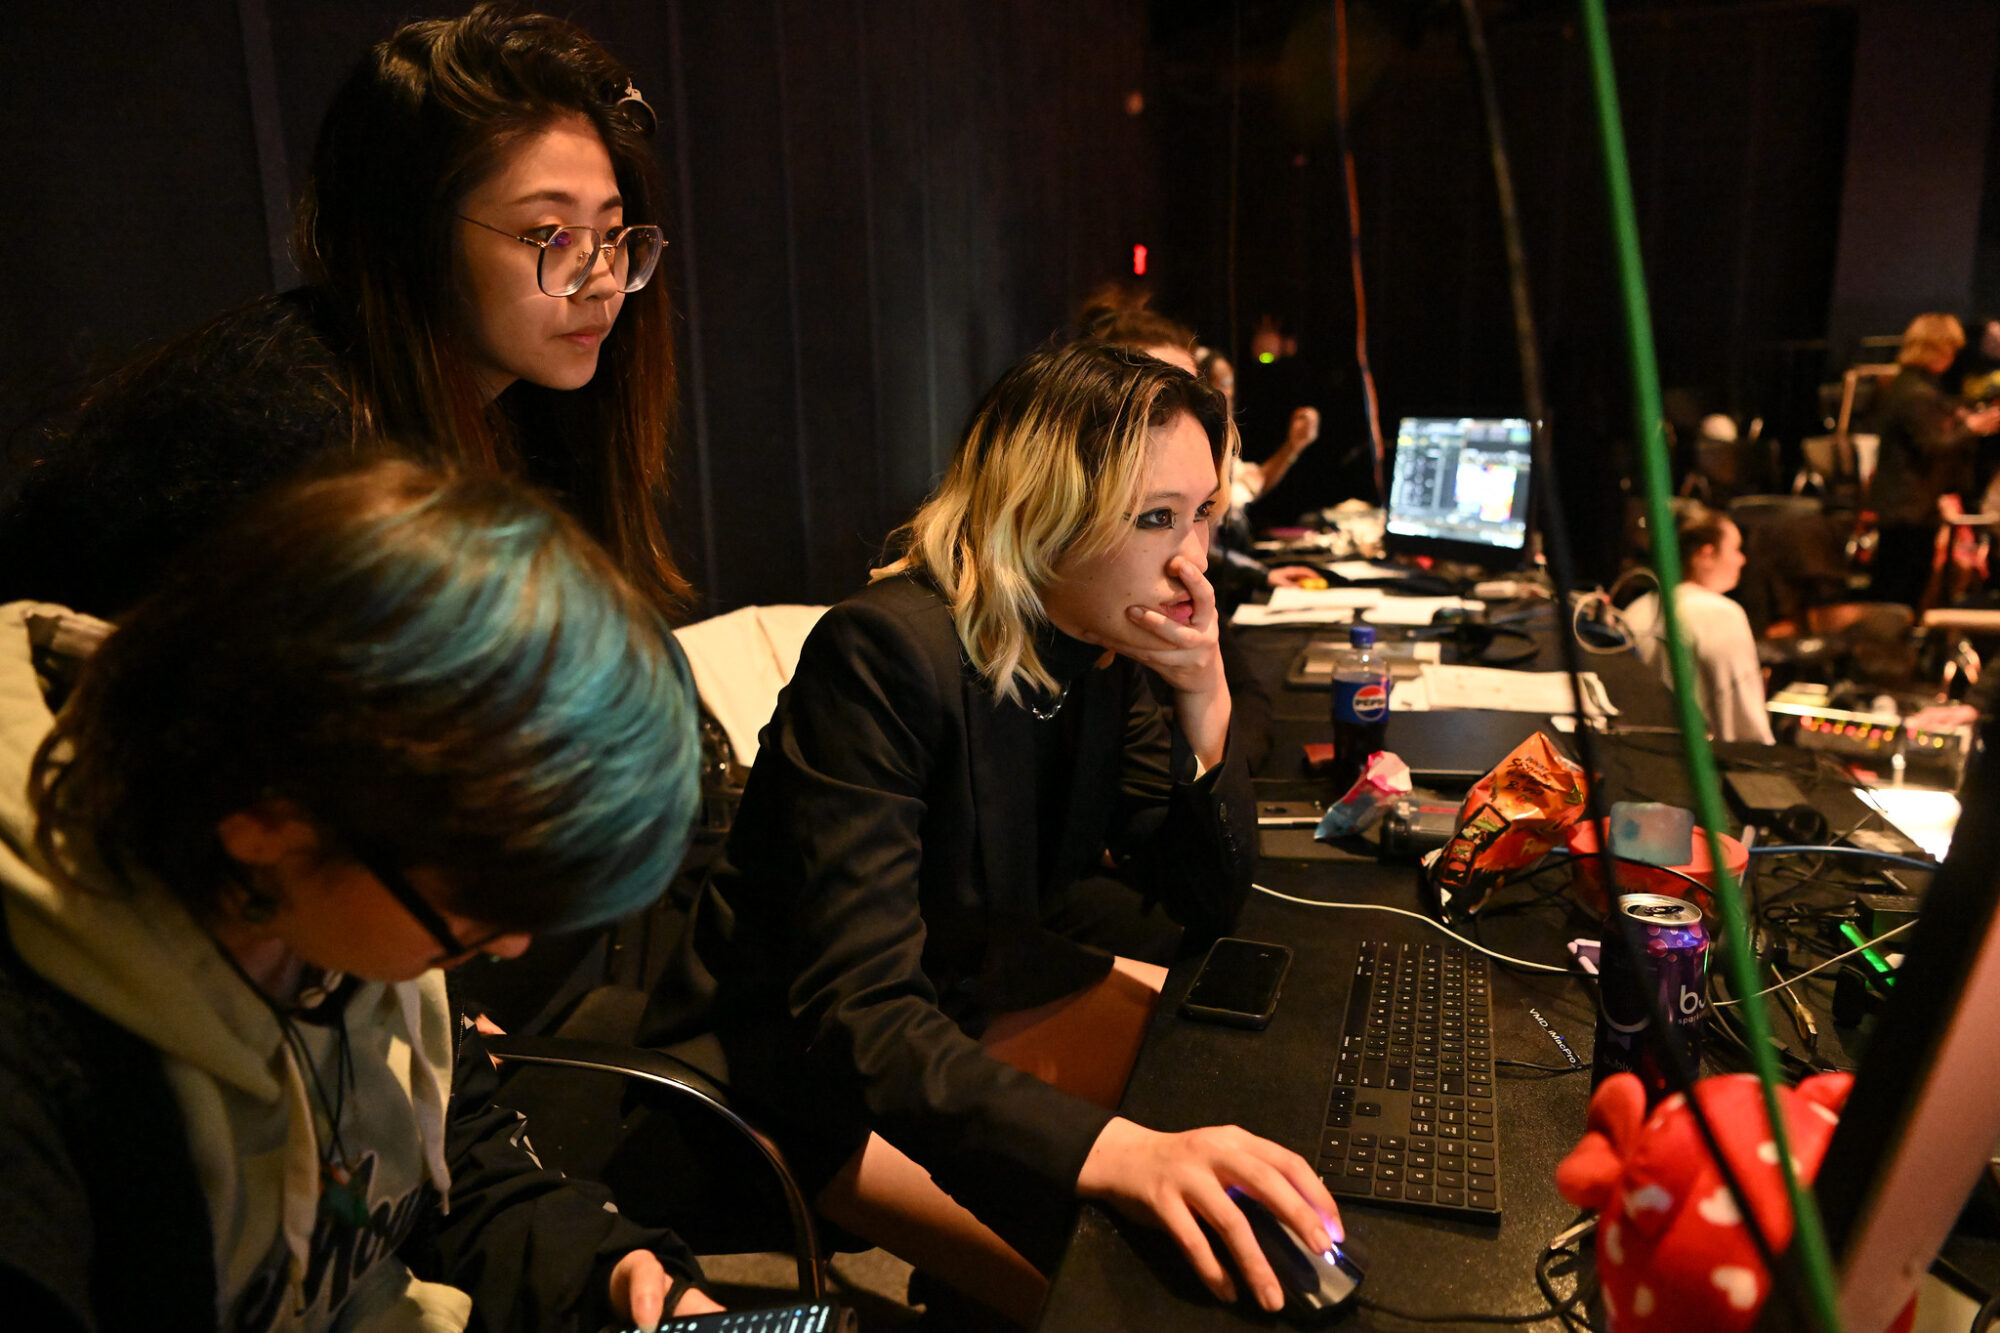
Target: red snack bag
(1510,820)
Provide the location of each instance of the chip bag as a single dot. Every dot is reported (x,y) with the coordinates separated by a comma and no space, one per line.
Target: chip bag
(1510,820)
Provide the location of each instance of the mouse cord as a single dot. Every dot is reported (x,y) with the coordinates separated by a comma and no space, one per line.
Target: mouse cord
(1418,916)
(1561,1308)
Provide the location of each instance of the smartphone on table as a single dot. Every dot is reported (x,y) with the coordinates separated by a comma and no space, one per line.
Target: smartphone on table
(1238,983)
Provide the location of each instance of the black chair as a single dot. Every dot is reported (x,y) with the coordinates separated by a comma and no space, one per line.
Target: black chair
(570,1121)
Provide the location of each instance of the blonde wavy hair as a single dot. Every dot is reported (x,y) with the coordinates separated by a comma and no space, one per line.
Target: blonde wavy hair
(1930,337)
(1051,467)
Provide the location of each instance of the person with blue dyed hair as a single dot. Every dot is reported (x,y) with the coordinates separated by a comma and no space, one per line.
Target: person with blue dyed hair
(376,725)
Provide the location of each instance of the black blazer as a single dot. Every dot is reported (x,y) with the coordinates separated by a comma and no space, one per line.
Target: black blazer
(881,894)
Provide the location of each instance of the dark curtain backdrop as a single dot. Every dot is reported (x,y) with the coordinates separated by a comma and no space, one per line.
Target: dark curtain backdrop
(1736,118)
(877,206)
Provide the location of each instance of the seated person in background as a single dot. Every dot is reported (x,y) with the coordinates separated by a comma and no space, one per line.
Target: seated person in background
(1717,630)
(926,989)
(375,725)
(1927,439)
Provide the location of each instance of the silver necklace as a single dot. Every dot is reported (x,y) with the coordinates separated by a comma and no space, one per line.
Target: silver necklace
(1045,714)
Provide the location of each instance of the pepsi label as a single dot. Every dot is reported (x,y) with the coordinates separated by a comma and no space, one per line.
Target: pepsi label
(1360,701)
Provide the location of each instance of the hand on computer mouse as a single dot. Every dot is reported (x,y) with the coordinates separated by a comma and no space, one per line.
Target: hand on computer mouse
(1171,1180)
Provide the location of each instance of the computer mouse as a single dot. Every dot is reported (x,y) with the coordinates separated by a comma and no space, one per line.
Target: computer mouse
(1318,1280)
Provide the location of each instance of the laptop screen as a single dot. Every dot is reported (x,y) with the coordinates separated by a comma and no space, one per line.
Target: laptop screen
(1461,479)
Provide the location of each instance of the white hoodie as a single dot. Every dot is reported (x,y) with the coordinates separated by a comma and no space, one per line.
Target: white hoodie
(284,1257)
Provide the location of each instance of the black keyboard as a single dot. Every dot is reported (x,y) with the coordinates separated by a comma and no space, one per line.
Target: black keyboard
(1411,1122)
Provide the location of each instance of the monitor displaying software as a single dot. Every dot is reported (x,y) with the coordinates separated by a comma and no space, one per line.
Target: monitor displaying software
(1461,479)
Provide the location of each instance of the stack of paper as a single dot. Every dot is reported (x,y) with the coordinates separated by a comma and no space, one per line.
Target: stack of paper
(1336,606)
(1507,691)
(1309,606)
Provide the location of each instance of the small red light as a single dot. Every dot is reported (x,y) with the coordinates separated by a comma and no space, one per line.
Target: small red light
(1138,261)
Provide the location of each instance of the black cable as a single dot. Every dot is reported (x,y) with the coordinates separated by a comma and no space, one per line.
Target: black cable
(1565,1308)
(1464,1317)
(1550,1069)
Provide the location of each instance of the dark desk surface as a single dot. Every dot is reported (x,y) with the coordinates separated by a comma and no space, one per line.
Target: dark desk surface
(1116,1275)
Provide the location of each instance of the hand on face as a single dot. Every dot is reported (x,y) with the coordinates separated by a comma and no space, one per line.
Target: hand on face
(1181,642)
(1305,427)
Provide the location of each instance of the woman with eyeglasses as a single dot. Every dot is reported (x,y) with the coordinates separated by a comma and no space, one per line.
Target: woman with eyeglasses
(478,236)
(374,724)
(926,986)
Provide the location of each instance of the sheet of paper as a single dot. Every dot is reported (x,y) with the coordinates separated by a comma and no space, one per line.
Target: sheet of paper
(1358,570)
(1416,610)
(1250,615)
(1289,599)
(1511,691)
(1927,818)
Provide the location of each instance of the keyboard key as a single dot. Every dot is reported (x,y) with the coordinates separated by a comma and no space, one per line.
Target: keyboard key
(1360,1154)
(1482,1119)
(1452,1198)
(1421,1159)
(1368,1108)
(1479,1134)
(1391,1189)
(1481,1150)
(1478,1200)
(1452,1103)
(1342,1119)
(1484,1104)
(1392,1142)
(1417,1193)
(1388,1173)
(1359,1171)
(1390,1157)
(1450,1149)
(1451,1131)
(1417,1175)
(1422,1099)
(1452,1117)
(1480,1166)
(1451,1083)
(1362,1140)
(1349,1185)
(1451,1180)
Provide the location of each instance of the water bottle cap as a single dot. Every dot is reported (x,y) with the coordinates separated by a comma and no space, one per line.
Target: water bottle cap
(1361,636)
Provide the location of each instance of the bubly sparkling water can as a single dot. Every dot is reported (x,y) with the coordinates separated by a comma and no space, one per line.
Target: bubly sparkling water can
(1674,968)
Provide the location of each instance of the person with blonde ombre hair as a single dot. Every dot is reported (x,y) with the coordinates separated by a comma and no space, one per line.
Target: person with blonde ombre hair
(927,985)
(1926,455)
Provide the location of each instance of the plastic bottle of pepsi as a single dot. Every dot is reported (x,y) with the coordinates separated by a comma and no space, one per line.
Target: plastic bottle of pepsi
(1360,707)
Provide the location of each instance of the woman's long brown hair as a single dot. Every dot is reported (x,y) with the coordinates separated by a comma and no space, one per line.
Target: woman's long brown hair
(427,116)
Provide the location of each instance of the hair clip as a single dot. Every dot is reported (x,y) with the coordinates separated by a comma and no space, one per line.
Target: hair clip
(641,112)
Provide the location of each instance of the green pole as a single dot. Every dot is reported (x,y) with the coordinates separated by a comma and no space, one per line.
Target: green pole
(1809,1245)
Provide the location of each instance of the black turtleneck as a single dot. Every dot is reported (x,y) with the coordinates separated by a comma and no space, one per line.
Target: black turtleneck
(1068,660)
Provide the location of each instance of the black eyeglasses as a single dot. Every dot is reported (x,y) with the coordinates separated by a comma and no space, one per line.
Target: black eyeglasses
(405,893)
(570,253)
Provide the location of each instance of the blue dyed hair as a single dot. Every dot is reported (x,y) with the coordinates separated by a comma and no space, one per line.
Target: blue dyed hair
(444,670)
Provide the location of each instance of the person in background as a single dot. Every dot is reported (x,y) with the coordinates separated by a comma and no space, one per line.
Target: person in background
(1927,442)
(1253,480)
(926,989)
(373,725)
(1718,631)
(478,232)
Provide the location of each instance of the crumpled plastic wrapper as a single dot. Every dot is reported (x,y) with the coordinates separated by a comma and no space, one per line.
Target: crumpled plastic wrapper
(1382,780)
(1510,820)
